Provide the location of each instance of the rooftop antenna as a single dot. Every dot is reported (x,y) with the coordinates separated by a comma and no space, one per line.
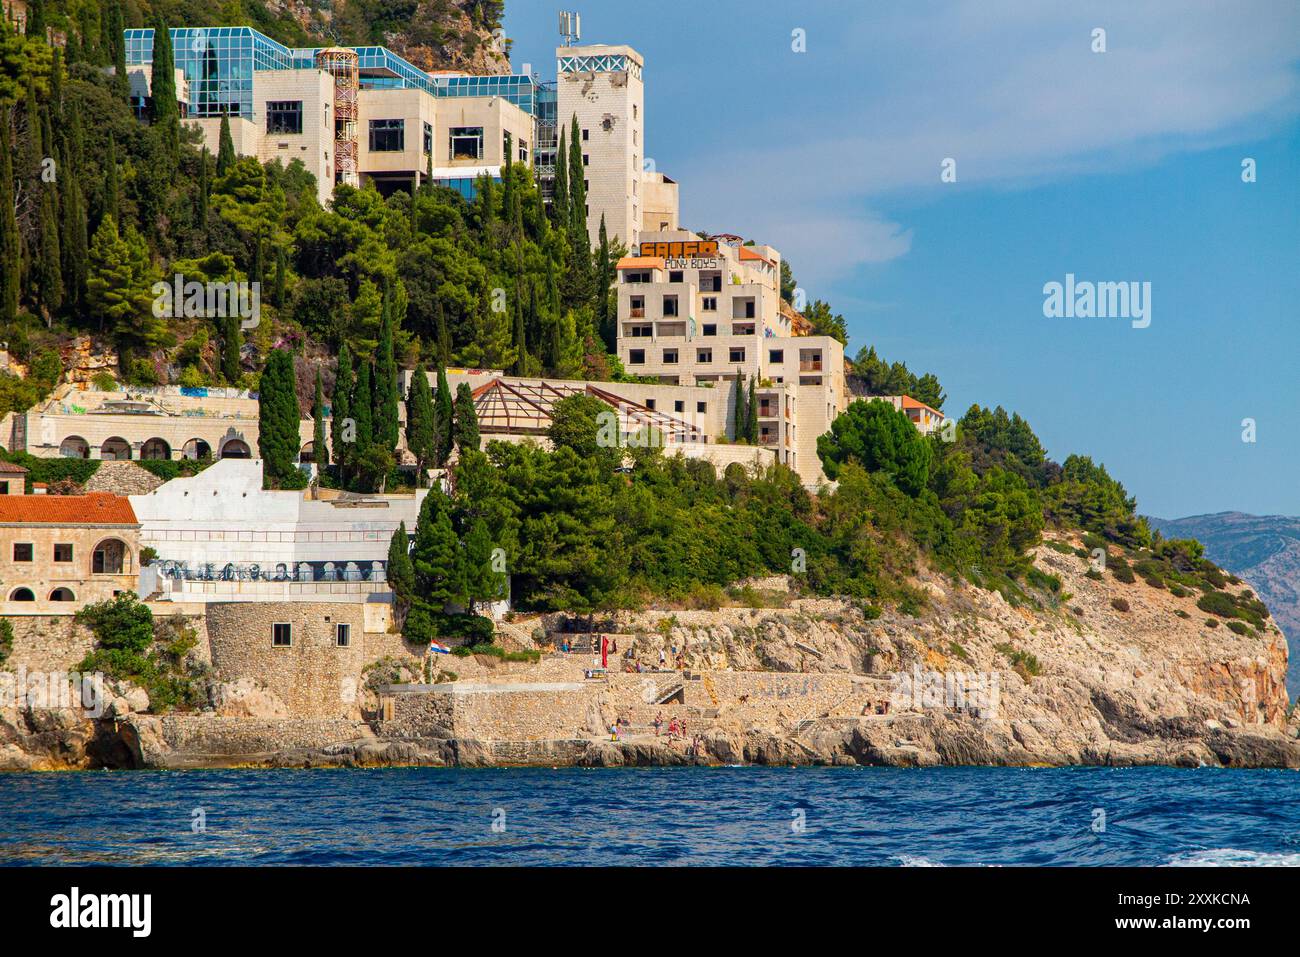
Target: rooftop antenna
(570,27)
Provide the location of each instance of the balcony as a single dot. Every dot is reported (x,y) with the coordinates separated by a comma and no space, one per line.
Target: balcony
(636,312)
(810,365)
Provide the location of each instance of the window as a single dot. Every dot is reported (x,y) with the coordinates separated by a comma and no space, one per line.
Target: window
(63,552)
(704,355)
(701,407)
(466,142)
(710,329)
(23,552)
(586,161)
(636,357)
(776,356)
(737,355)
(428,138)
(709,304)
(387,136)
(675,275)
(523,151)
(670,305)
(284,116)
(642,332)
(342,635)
(281,635)
(4,488)
(670,356)
(649,403)
(586,135)
(679,405)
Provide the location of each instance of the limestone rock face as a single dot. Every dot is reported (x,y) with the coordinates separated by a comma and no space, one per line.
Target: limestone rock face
(246,698)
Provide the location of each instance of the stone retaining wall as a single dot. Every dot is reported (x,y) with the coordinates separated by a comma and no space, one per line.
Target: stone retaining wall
(514,712)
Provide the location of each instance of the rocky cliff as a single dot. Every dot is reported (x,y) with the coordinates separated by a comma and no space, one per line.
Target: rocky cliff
(1265,551)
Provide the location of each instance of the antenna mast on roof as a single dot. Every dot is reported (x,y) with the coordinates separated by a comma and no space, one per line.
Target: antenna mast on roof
(570,27)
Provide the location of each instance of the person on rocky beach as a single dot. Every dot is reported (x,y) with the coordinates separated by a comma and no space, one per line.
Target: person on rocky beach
(658,722)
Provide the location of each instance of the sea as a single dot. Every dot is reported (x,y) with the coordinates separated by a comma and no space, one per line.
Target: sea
(743,816)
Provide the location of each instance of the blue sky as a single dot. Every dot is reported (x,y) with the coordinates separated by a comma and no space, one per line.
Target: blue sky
(1115,166)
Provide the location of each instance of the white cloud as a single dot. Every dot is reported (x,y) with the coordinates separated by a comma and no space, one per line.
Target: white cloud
(1012,91)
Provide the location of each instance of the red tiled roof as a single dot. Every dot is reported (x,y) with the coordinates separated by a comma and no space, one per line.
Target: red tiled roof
(9,468)
(910,403)
(748,254)
(94,508)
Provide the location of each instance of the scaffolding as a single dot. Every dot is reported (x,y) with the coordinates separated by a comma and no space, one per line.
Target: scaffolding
(342,64)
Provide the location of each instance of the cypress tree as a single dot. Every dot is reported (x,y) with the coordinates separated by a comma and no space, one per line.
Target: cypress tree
(203,195)
(435,559)
(341,407)
(442,419)
(560,194)
(751,413)
(386,424)
(36,19)
(318,445)
(49,260)
(10,244)
(281,272)
(400,572)
(362,409)
(606,318)
(110,198)
(577,188)
(231,366)
(225,146)
(117,48)
(465,426)
(741,423)
(278,417)
(421,437)
(74,238)
(165,112)
(444,336)
(520,339)
(480,581)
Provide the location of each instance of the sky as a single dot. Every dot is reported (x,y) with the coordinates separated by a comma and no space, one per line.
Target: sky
(1117,166)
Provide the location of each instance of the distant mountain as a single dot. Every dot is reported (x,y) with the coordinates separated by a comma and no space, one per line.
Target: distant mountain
(1262,549)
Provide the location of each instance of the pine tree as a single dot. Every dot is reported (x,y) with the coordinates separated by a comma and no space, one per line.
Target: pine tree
(481,582)
(278,420)
(341,407)
(319,448)
(225,147)
(435,556)
(400,572)
(442,419)
(421,437)
(465,426)
(165,112)
(10,243)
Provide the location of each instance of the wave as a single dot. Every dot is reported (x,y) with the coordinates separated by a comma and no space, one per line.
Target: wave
(1233,857)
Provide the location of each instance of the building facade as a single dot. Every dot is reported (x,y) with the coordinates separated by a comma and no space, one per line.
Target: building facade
(61,552)
(350,114)
(697,312)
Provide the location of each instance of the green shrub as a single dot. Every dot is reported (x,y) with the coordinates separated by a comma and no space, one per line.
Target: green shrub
(531,655)
(1094,575)
(1154,581)
(1218,603)
(1240,627)
(1211,623)
(1043,580)
(1178,591)
(472,629)
(6,640)
(1182,614)
(958,651)
(1119,604)
(1060,547)
(1021,661)
(168,469)
(1123,574)
(871,612)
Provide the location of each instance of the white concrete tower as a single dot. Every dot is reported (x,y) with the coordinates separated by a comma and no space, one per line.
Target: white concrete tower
(602,86)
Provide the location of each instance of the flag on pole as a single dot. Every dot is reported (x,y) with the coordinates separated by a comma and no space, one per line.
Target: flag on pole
(436,648)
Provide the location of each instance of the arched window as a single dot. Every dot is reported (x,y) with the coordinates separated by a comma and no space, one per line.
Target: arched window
(62,594)
(235,449)
(307,453)
(116,448)
(196,449)
(74,447)
(110,558)
(22,594)
(155,449)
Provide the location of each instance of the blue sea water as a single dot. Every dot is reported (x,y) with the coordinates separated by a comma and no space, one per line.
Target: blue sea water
(677,816)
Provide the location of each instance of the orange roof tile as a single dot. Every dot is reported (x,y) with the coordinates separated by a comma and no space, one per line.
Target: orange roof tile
(747,254)
(909,403)
(94,508)
(9,468)
(641,262)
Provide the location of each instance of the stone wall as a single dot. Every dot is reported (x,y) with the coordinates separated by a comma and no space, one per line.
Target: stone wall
(205,740)
(48,642)
(517,712)
(313,675)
